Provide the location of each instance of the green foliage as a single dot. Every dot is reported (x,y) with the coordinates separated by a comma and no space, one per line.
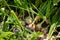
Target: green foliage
(5,35)
(47,10)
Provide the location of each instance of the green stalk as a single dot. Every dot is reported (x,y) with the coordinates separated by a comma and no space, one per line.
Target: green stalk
(16,18)
(52,28)
(19,23)
(7,5)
